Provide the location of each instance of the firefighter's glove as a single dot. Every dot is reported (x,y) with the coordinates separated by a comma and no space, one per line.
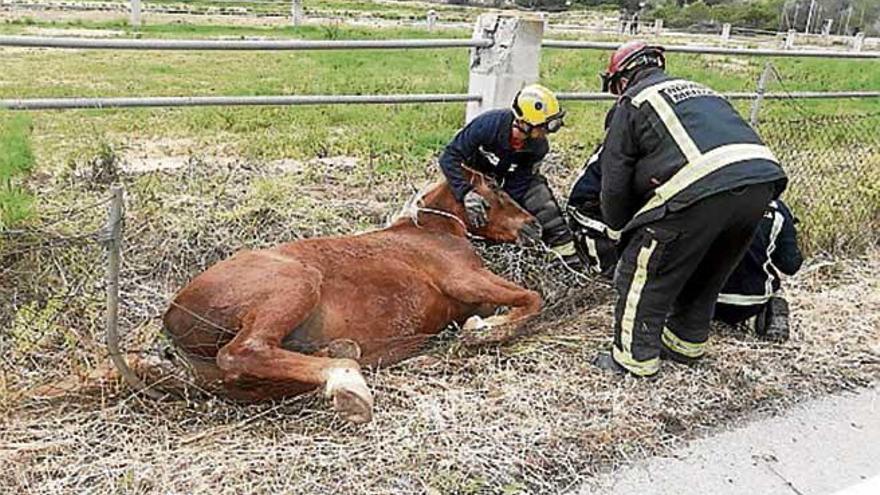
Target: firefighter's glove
(477,209)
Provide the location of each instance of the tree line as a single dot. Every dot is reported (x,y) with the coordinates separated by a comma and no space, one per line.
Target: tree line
(846,16)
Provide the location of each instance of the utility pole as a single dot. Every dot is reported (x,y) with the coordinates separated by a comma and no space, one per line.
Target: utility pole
(809,17)
(783,16)
(848,17)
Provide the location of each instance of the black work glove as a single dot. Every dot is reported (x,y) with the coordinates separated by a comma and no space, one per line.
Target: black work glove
(530,234)
(476,208)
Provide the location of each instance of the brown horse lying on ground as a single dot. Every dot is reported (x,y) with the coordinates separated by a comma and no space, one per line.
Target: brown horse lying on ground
(307,314)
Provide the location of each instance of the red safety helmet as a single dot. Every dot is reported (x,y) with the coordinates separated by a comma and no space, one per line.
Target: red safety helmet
(629,56)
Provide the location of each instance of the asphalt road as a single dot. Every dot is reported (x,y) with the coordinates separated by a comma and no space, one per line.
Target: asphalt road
(826,446)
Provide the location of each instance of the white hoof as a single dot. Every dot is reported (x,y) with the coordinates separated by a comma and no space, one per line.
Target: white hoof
(351,398)
(475,323)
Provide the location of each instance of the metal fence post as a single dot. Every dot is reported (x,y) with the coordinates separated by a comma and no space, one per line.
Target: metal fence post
(725,32)
(658,27)
(113,230)
(431,19)
(498,71)
(789,39)
(296,12)
(858,42)
(135,18)
(761,89)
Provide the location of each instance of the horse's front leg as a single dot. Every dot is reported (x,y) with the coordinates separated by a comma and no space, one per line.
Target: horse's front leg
(482,287)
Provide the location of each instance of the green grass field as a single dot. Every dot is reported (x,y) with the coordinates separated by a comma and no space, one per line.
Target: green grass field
(16,161)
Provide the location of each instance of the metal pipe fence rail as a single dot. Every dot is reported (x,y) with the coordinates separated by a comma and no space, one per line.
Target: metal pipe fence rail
(591,96)
(156,44)
(715,50)
(204,101)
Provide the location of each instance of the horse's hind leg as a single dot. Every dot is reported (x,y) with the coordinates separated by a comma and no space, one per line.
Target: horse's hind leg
(256,351)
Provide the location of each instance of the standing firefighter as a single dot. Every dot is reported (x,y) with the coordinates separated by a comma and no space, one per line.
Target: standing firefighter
(509,145)
(686,181)
(748,299)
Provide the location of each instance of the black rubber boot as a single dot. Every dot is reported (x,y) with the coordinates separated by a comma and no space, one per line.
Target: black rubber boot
(605,362)
(670,355)
(772,323)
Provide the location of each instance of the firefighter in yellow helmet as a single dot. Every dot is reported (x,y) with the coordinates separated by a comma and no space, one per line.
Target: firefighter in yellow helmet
(509,144)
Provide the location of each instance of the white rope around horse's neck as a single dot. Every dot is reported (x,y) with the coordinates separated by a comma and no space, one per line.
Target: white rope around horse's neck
(433,211)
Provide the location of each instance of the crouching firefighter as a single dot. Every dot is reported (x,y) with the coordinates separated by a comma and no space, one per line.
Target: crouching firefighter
(685,180)
(508,145)
(595,241)
(749,298)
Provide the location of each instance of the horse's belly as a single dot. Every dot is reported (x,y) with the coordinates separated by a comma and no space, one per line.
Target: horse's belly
(390,320)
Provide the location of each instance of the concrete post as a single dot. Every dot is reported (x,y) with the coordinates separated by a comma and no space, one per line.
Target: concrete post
(497,72)
(296,12)
(725,32)
(135,18)
(789,39)
(858,42)
(431,19)
(658,27)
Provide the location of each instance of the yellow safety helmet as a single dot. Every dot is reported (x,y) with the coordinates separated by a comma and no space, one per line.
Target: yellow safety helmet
(537,106)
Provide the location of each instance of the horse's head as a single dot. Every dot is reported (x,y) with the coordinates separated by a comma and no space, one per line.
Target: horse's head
(507,220)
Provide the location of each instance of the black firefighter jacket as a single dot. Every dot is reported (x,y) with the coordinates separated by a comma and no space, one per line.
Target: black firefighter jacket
(672,142)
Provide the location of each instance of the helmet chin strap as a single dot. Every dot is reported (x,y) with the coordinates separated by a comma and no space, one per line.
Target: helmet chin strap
(518,136)
(620,85)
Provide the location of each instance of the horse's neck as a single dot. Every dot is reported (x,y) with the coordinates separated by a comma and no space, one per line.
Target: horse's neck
(438,210)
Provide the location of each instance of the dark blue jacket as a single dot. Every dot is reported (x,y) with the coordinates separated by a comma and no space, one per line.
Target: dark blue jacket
(484,144)
(774,249)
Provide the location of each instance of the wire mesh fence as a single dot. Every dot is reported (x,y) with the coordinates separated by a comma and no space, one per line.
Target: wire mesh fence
(833,163)
(51,288)
(832,157)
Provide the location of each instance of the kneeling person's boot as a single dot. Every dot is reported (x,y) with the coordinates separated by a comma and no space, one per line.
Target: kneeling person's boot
(772,322)
(668,354)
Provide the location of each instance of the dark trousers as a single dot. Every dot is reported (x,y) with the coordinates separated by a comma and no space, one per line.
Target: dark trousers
(538,200)
(671,271)
(733,314)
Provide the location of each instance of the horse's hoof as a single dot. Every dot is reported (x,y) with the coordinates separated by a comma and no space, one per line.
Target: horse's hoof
(474,323)
(353,407)
(351,397)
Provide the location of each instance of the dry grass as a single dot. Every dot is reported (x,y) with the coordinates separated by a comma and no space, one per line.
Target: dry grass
(531,417)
